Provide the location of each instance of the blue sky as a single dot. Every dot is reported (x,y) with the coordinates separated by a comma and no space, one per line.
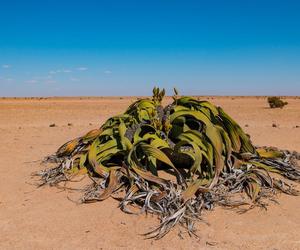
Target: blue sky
(67,48)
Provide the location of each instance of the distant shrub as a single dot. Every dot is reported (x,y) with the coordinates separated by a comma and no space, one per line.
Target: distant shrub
(276,102)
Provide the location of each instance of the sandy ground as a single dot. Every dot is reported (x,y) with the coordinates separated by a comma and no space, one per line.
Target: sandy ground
(44,218)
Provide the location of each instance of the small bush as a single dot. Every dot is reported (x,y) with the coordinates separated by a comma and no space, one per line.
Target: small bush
(276,102)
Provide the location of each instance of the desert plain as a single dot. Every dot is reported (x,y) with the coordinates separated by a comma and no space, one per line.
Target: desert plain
(46,218)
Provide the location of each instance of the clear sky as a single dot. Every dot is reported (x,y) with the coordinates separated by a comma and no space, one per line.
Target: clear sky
(65,48)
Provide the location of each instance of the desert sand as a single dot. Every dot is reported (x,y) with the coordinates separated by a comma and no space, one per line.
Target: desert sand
(44,218)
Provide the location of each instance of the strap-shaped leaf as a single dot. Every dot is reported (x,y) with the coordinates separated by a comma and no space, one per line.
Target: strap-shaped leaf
(92,158)
(68,148)
(197,154)
(147,175)
(194,187)
(161,156)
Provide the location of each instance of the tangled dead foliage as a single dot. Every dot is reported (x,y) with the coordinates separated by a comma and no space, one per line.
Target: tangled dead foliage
(173,161)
